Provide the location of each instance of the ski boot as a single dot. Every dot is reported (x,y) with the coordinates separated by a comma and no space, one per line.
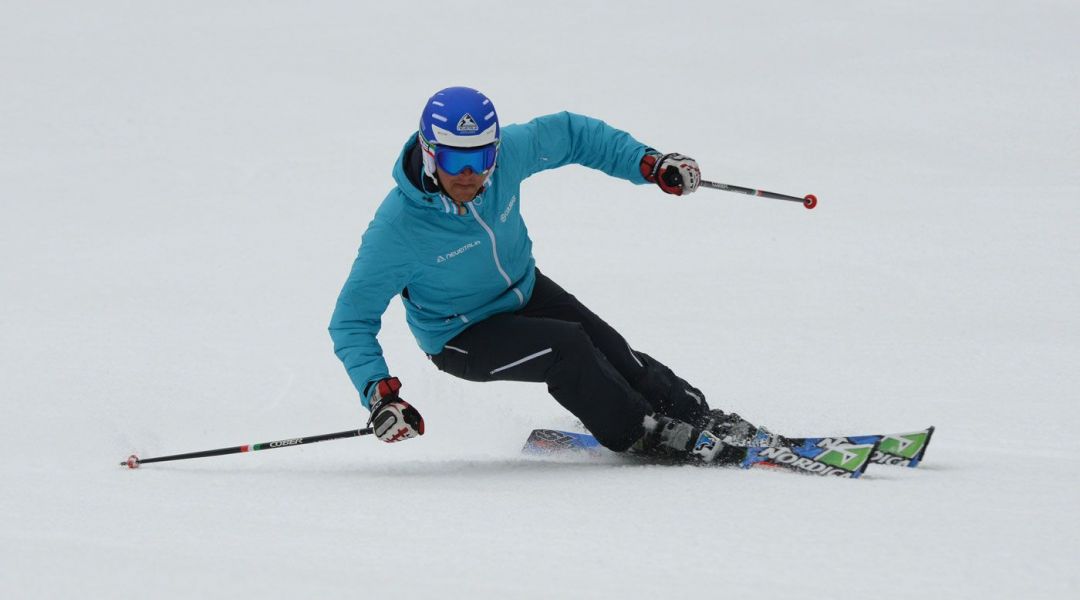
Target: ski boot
(737,431)
(671,440)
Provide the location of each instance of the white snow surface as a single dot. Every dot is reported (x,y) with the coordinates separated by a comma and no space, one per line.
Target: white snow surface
(183,190)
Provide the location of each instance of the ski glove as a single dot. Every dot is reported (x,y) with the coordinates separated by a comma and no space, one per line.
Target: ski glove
(674,173)
(392,418)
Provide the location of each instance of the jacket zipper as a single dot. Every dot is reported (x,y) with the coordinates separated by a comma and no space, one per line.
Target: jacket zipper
(495,252)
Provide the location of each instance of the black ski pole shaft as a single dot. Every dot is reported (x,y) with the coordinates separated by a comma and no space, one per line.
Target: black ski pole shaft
(133,461)
(809,201)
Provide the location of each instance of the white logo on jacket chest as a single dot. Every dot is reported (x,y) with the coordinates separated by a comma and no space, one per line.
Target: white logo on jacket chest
(509,207)
(445,257)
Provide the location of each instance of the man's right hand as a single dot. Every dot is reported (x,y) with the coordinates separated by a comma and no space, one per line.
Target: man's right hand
(392,418)
(674,173)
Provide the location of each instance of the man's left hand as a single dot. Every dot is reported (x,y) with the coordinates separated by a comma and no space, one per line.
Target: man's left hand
(393,419)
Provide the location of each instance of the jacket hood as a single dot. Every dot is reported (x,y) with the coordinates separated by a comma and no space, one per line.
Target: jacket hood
(410,178)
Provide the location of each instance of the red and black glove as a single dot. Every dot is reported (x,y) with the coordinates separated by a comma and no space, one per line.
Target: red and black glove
(674,173)
(392,418)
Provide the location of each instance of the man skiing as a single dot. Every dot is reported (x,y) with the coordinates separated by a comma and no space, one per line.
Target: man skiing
(450,240)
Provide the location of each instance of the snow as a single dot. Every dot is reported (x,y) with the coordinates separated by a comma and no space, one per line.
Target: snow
(183,188)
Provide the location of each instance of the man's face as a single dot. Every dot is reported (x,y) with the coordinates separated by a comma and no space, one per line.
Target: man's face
(462,187)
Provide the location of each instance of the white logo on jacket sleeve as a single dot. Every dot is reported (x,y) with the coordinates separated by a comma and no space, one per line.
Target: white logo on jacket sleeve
(506,213)
(445,257)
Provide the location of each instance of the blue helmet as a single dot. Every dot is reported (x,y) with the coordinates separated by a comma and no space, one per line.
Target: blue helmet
(456,118)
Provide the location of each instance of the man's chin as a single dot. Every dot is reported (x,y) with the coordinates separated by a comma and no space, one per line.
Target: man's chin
(464,194)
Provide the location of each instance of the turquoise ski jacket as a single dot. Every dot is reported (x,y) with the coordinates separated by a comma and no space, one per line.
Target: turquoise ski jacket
(451,269)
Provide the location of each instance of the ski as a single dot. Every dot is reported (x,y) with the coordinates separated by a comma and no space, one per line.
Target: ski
(831,456)
(894,449)
(553,441)
(834,456)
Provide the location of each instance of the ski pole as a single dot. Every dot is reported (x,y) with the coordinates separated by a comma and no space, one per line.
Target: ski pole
(133,461)
(810,201)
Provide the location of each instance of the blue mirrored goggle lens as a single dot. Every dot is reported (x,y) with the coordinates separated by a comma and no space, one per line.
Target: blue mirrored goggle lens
(454,160)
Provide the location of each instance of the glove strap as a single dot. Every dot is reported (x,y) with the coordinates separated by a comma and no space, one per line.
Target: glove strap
(385,389)
(651,165)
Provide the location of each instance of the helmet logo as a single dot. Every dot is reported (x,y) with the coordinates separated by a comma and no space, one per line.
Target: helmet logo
(467,124)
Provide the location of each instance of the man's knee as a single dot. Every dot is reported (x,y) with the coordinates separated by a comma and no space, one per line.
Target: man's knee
(571,340)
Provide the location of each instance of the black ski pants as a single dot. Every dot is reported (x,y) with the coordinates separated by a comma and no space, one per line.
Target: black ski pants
(588,367)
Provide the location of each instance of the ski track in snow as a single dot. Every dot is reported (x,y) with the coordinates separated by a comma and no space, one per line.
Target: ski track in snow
(183,189)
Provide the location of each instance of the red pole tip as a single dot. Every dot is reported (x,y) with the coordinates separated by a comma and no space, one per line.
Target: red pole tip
(810,202)
(133,462)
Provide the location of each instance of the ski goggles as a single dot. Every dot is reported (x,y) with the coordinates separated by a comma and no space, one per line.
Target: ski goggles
(455,160)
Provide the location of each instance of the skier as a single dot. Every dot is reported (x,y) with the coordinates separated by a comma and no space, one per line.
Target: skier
(450,240)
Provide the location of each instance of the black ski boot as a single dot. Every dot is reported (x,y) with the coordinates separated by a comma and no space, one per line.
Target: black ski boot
(735,430)
(671,440)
